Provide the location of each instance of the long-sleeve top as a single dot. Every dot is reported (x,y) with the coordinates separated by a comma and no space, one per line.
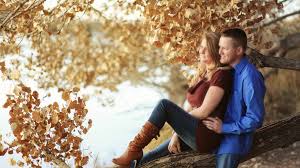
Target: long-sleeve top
(245,111)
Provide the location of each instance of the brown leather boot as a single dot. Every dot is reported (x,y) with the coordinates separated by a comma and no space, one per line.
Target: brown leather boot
(134,150)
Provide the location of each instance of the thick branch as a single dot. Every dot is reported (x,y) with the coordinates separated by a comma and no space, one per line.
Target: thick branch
(261,60)
(275,135)
(291,41)
(281,18)
(281,48)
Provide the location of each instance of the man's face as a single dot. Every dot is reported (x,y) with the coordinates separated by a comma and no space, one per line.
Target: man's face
(229,53)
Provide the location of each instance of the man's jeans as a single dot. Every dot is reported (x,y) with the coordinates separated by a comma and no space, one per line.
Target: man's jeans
(184,124)
(227,160)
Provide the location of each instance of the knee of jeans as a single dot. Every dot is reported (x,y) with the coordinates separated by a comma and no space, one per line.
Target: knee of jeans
(163,101)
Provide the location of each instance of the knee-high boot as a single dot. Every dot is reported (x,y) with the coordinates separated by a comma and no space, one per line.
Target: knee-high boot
(134,150)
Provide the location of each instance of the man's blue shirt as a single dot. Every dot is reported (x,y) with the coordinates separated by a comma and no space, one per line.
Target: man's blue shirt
(245,109)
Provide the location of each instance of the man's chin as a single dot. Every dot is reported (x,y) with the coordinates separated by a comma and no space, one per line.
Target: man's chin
(224,61)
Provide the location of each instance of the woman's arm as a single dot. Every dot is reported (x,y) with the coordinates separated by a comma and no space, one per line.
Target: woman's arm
(212,99)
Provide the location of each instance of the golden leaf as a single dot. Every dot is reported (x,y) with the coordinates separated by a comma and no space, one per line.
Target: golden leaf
(66,95)
(36,117)
(26,89)
(158,44)
(3,151)
(90,123)
(2,67)
(20,164)
(84,160)
(54,118)
(8,103)
(12,162)
(76,89)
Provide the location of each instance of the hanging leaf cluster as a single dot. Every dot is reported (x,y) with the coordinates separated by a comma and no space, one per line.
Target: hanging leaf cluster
(178,25)
(45,133)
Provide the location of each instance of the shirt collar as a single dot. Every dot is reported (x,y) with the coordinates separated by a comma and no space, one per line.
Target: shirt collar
(240,66)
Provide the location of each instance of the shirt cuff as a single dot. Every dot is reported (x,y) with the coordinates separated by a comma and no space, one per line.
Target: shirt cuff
(226,128)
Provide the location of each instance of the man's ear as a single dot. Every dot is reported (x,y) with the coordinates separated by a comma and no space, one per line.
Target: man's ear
(239,50)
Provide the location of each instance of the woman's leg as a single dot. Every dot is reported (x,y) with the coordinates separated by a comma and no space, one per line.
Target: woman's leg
(160,151)
(184,124)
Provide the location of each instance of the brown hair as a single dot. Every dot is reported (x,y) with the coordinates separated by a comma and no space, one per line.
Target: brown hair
(238,35)
(212,42)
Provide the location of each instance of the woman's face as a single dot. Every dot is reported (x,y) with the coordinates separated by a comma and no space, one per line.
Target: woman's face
(204,55)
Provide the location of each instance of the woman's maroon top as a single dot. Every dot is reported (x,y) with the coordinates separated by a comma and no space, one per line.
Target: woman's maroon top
(207,140)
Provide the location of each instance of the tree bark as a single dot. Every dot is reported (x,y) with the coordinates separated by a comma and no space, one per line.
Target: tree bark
(261,61)
(275,135)
(290,42)
(281,18)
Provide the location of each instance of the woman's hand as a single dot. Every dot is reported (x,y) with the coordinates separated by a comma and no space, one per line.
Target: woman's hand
(174,145)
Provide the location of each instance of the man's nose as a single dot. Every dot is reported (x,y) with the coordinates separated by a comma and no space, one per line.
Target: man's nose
(220,51)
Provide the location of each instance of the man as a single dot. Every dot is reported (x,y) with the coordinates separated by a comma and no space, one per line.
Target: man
(245,110)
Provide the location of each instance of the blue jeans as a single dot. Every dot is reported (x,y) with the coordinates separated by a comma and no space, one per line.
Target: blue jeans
(227,160)
(184,124)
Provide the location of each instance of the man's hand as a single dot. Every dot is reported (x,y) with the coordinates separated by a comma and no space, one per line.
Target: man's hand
(214,124)
(174,145)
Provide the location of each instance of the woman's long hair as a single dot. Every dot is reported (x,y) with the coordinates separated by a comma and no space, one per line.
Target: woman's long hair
(212,42)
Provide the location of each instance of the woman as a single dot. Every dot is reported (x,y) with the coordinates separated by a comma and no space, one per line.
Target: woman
(207,97)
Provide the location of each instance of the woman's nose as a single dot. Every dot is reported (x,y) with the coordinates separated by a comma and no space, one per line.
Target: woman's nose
(201,50)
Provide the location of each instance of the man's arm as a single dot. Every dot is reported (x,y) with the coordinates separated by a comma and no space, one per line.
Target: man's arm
(253,95)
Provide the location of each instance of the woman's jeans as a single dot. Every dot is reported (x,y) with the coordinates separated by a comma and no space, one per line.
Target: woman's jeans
(184,124)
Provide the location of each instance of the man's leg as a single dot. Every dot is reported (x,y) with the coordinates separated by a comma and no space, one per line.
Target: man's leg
(227,160)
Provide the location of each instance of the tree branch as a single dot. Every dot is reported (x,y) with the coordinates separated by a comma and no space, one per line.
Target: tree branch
(11,15)
(261,61)
(291,41)
(275,135)
(280,18)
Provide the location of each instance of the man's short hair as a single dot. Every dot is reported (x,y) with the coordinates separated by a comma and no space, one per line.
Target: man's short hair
(238,35)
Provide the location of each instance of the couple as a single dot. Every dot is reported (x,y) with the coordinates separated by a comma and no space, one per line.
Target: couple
(225,107)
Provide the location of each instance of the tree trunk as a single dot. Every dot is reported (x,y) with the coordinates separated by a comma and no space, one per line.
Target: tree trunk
(275,135)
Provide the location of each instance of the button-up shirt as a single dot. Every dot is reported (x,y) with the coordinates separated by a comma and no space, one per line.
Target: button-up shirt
(245,109)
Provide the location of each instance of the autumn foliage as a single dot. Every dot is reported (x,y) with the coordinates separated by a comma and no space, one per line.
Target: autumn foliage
(46,133)
(75,33)
(75,44)
(178,25)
